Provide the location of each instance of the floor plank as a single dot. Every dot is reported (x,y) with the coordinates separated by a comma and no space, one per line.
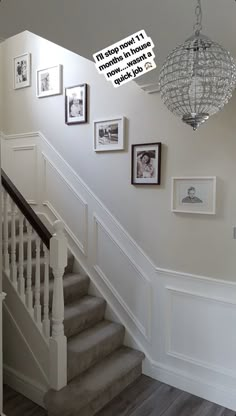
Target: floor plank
(228,412)
(14,404)
(184,405)
(132,397)
(145,397)
(158,402)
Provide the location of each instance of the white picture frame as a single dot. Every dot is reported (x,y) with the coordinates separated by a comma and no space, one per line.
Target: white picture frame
(22,71)
(49,81)
(194,195)
(109,134)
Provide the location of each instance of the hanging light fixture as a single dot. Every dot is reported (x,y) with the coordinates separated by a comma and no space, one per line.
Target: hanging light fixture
(197,78)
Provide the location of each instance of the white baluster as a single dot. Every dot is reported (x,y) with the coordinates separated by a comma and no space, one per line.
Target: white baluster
(5,233)
(46,321)
(29,296)
(58,342)
(37,305)
(21,279)
(13,244)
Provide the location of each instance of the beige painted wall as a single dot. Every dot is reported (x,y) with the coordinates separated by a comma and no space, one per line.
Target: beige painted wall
(195,244)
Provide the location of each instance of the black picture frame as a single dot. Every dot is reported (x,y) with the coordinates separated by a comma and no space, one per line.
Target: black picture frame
(146,164)
(76,103)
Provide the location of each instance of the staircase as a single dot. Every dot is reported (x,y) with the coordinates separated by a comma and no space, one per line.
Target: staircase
(99,366)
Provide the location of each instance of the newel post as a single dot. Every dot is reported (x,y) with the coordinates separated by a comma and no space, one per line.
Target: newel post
(58,341)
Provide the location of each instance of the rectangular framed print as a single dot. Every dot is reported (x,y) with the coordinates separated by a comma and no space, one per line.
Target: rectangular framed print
(49,81)
(146,164)
(22,71)
(109,134)
(194,195)
(76,104)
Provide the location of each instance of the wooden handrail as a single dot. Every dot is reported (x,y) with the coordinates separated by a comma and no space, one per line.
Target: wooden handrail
(26,209)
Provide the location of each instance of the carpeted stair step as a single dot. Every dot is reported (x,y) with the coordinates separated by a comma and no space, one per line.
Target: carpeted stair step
(75,287)
(83,314)
(86,394)
(90,346)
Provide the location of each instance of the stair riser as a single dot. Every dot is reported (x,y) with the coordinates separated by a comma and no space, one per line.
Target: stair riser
(84,321)
(77,291)
(78,363)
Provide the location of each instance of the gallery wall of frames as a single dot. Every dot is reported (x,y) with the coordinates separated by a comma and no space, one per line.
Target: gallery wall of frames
(195,195)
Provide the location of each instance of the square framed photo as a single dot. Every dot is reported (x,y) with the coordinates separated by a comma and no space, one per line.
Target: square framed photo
(146,164)
(22,71)
(76,104)
(194,195)
(49,81)
(109,134)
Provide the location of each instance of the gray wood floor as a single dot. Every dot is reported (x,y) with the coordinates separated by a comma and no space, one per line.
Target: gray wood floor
(145,397)
(14,404)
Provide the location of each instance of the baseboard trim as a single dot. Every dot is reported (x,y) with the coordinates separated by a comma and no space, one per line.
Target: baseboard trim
(24,385)
(221,395)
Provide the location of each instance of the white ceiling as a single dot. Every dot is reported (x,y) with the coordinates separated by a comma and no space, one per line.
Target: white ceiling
(86,26)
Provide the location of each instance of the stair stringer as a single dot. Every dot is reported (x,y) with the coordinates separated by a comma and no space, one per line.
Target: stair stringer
(25,351)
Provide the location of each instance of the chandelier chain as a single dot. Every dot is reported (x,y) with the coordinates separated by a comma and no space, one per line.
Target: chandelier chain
(198,13)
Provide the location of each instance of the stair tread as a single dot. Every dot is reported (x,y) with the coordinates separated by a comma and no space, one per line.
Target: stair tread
(85,388)
(92,336)
(82,305)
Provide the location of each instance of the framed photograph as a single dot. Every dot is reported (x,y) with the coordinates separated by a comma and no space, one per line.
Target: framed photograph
(22,71)
(195,195)
(109,134)
(146,164)
(76,104)
(49,81)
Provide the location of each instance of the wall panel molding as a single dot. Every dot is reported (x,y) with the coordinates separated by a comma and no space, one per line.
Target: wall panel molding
(81,242)
(140,277)
(212,391)
(208,300)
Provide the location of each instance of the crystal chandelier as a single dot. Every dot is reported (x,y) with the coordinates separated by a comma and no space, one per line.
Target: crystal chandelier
(197,78)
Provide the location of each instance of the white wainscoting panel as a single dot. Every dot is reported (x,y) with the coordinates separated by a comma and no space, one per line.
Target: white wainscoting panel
(198,329)
(25,171)
(20,162)
(66,204)
(195,338)
(125,280)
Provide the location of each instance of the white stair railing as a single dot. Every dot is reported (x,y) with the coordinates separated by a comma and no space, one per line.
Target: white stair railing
(29,250)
